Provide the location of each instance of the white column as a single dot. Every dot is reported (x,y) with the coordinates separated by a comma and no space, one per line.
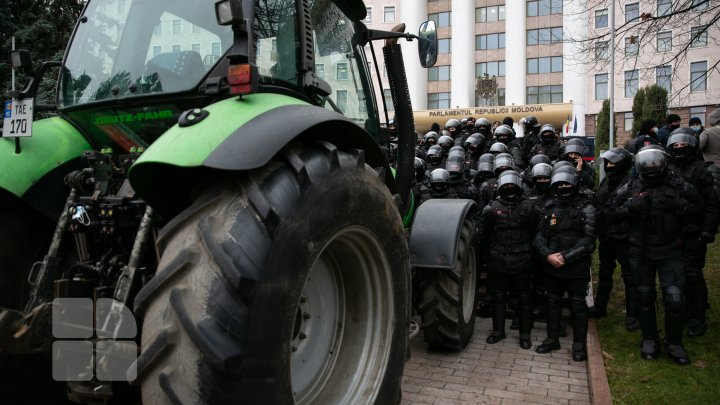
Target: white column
(574,85)
(515,52)
(413,13)
(462,68)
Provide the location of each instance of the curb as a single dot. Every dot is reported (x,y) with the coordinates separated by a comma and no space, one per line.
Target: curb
(597,377)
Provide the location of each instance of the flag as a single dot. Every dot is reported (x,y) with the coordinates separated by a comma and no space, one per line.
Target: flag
(567,125)
(575,126)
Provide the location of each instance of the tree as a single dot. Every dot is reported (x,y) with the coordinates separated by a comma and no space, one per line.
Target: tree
(659,36)
(655,104)
(637,111)
(42,27)
(602,140)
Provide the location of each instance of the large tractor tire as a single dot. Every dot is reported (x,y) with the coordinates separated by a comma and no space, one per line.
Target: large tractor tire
(288,285)
(449,297)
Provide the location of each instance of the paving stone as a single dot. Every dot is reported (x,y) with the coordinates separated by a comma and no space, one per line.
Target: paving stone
(549,371)
(571,381)
(440,393)
(418,398)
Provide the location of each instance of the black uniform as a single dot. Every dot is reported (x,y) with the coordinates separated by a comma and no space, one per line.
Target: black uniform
(657,209)
(530,139)
(508,227)
(696,236)
(567,226)
(613,247)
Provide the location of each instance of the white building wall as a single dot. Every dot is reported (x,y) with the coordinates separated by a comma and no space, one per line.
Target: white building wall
(462,68)
(575,25)
(515,52)
(413,14)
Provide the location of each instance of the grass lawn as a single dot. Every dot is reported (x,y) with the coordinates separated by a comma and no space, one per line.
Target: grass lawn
(637,381)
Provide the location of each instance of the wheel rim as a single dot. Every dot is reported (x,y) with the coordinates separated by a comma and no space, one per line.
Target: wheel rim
(340,337)
(469,285)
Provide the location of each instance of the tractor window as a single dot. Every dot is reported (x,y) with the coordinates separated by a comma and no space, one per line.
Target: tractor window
(134,47)
(276,35)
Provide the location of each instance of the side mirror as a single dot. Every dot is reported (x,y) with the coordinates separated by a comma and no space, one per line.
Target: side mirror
(20,59)
(427,44)
(228,12)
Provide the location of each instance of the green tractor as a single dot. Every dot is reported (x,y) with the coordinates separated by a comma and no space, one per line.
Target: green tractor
(218,172)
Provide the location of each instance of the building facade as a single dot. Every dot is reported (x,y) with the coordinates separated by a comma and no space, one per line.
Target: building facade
(654,46)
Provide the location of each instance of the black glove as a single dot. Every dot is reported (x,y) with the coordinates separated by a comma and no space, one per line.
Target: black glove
(637,204)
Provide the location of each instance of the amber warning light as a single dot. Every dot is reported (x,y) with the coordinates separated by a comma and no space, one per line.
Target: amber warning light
(243,78)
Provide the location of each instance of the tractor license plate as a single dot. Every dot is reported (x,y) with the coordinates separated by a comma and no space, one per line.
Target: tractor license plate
(18,116)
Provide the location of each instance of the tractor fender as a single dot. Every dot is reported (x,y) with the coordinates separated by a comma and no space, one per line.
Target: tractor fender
(435,232)
(35,175)
(239,135)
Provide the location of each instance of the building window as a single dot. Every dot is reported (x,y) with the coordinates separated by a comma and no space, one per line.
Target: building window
(632,12)
(491,68)
(362,103)
(628,118)
(698,76)
(489,14)
(444,45)
(342,100)
(632,45)
(176,48)
(664,41)
(602,50)
(368,15)
(215,48)
(389,14)
(698,112)
(438,100)
(195,48)
(601,86)
(550,64)
(320,70)
(195,29)
(544,94)
(700,5)
(632,81)
(490,41)
(158,29)
(698,37)
(544,36)
(177,27)
(439,73)
(387,95)
(441,19)
(341,71)
(544,7)
(664,7)
(492,101)
(601,18)
(157,50)
(663,77)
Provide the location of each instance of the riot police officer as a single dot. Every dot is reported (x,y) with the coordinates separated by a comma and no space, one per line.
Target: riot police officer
(455,166)
(507,225)
(574,154)
(474,146)
(531,129)
(540,176)
(434,159)
(429,139)
(454,128)
(548,145)
(484,127)
(488,190)
(613,237)
(439,185)
(658,204)
(566,238)
(506,136)
(527,173)
(682,146)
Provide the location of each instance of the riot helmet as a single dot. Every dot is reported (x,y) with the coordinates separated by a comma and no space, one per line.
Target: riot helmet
(539,158)
(529,123)
(616,160)
(456,167)
(483,126)
(504,134)
(434,155)
(469,124)
(574,151)
(486,164)
(502,163)
(446,142)
(453,126)
(430,138)
(651,163)
(456,149)
(419,169)
(510,186)
(541,175)
(474,142)
(439,181)
(498,147)
(547,133)
(561,163)
(565,184)
(682,143)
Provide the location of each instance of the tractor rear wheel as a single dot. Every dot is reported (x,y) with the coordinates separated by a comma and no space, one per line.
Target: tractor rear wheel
(288,285)
(449,297)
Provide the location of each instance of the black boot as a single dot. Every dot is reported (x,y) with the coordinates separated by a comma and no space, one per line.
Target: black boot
(677,353)
(580,326)
(579,351)
(697,298)
(548,345)
(649,349)
(525,321)
(498,318)
(602,296)
(553,326)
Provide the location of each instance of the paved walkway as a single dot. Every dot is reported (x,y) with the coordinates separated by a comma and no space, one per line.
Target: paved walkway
(502,373)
